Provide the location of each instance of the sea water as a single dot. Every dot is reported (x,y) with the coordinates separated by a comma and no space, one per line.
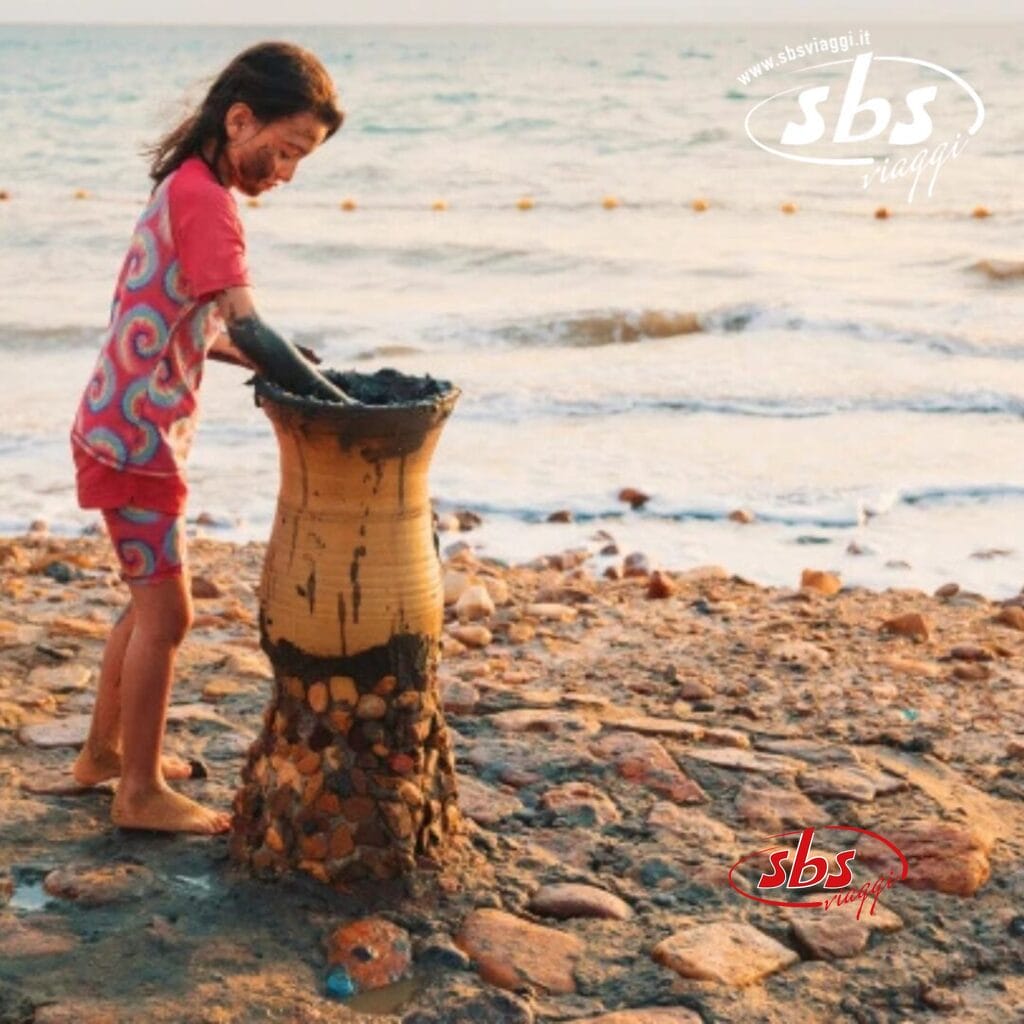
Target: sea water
(855,379)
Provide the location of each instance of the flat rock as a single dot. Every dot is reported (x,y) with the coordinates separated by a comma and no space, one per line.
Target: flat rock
(729,952)
(43,935)
(220,687)
(485,804)
(580,800)
(801,654)
(509,951)
(745,760)
(645,761)
(196,712)
(91,885)
(912,667)
(59,783)
(771,808)
(71,731)
(942,856)
(646,1015)
(549,611)
(911,624)
(690,823)
(829,936)
(60,678)
(649,726)
(459,697)
(842,782)
(571,899)
(542,720)
(1012,616)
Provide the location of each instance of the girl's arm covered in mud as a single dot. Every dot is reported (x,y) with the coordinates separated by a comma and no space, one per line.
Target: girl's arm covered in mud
(265,351)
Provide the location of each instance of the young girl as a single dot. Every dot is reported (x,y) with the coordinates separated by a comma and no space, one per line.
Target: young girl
(183,294)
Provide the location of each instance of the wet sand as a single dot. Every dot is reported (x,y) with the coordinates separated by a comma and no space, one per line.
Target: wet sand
(634,737)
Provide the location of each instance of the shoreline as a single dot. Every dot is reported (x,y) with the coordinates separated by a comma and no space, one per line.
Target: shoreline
(632,738)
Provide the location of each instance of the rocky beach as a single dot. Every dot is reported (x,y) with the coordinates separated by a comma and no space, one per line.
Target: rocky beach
(622,739)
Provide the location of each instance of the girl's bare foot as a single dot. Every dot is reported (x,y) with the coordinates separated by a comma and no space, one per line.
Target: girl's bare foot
(165,810)
(91,768)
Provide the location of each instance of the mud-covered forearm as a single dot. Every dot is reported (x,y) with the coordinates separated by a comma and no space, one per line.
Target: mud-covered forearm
(279,360)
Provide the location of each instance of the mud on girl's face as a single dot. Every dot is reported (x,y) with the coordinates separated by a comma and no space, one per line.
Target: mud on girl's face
(259,156)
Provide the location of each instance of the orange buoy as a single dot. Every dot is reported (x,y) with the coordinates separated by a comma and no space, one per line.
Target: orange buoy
(4,195)
(980,212)
(439,205)
(700,205)
(81,193)
(253,202)
(348,204)
(788,207)
(610,202)
(882,213)
(525,203)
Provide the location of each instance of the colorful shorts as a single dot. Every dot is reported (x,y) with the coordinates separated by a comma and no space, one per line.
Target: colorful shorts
(150,545)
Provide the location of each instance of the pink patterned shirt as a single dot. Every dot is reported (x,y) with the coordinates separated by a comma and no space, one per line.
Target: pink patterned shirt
(138,414)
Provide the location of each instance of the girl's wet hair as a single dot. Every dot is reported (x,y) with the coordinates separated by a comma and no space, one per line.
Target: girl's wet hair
(275,80)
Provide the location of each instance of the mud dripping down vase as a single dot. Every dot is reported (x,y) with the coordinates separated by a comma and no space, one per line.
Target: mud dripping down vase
(352,776)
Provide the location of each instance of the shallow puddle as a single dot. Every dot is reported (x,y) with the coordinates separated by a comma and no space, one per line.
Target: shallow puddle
(389,998)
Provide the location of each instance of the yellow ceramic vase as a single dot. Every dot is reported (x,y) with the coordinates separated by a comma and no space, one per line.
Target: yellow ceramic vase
(353,775)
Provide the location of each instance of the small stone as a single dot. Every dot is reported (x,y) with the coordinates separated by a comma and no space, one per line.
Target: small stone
(728,737)
(64,732)
(497,588)
(371,706)
(468,520)
(485,804)
(801,654)
(948,590)
(660,585)
(550,611)
(572,800)
(373,951)
(521,633)
(509,951)
(570,899)
(472,636)
(203,589)
(693,689)
(771,808)
(829,936)
(826,583)
(742,515)
(318,698)
(936,997)
(912,667)
(474,603)
(971,673)
(912,625)
(1012,616)
(92,886)
(729,952)
(636,564)
(455,584)
(60,678)
(458,696)
(343,690)
(219,687)
(633,497)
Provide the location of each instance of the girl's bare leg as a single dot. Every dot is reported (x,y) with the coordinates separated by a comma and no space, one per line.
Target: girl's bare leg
(162,614)
(100,758)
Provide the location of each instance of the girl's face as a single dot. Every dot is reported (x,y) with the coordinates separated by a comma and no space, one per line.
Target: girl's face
(260,156)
